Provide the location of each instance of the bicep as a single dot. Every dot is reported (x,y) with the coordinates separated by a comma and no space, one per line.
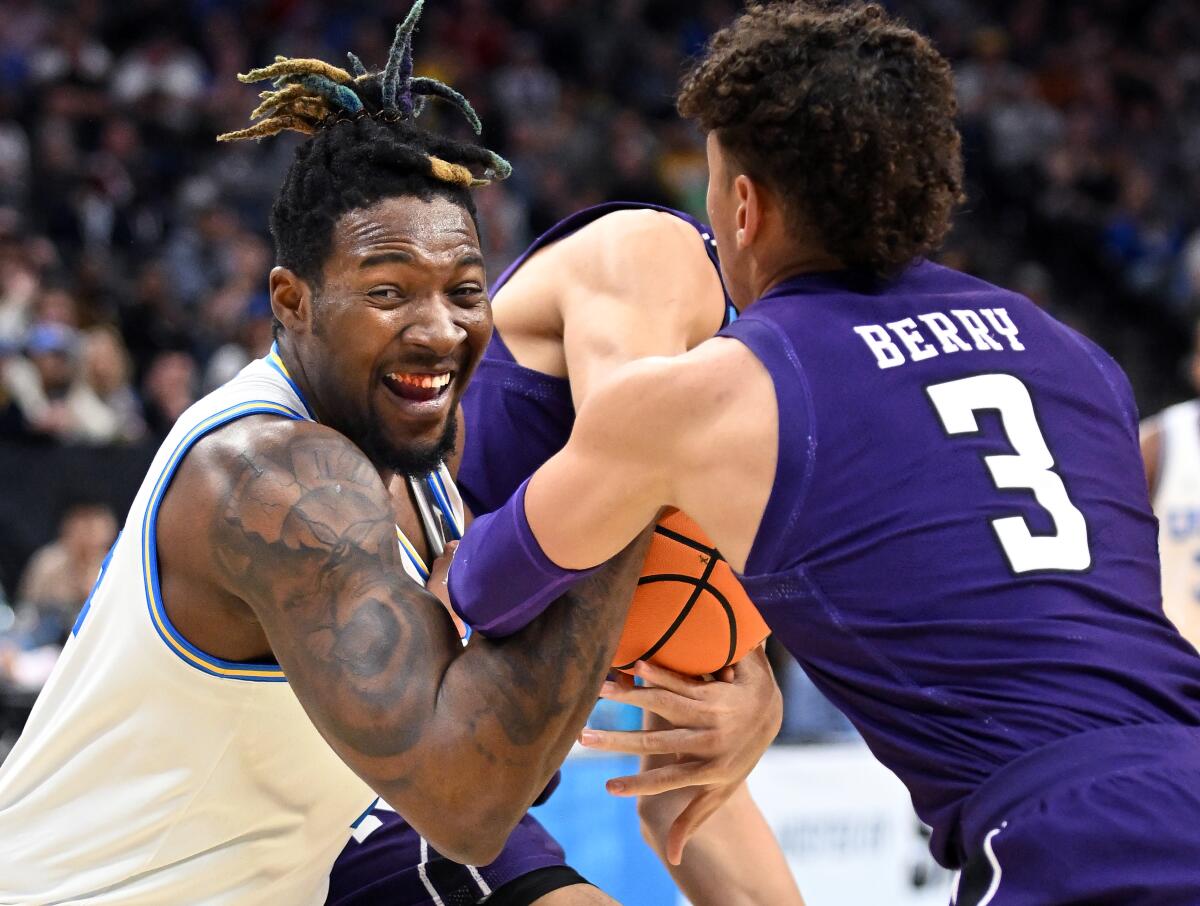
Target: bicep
(641,286)
(604,330)
(305,536)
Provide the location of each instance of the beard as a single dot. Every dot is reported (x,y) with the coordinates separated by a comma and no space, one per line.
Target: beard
(415,460)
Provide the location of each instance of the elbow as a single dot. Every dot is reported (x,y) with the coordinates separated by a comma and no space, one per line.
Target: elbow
(468,830)
(468,838)
(469,846)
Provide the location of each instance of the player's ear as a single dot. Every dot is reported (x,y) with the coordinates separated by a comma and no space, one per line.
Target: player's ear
(749,210)
(291,299)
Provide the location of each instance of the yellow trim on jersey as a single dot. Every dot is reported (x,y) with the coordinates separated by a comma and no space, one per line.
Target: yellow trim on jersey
(415,557)
(273,355)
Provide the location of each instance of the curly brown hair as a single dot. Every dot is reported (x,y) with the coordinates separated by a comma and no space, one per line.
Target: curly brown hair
(844,112)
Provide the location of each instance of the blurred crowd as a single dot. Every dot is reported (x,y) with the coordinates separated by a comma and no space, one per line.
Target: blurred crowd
(134,251)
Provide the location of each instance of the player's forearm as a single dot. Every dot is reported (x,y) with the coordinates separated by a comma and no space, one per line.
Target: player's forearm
(509,710)
(733,859)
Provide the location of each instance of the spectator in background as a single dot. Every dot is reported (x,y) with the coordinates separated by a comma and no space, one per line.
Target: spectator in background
(14,152)
(202,255)
(152,318)
(108,373)
(60,575)
(12,423)
(1140,235)
(162,76)
(246,264)
(170,386)
(56,305)
(48,388)
(19,283)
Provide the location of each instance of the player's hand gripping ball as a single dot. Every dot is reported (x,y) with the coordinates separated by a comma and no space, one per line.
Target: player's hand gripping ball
(689,613)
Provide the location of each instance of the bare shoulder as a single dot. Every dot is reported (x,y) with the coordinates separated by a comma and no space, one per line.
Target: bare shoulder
(635,244)
(1151,428)
(284,453)
(637,230)
(686,407)
(293,486)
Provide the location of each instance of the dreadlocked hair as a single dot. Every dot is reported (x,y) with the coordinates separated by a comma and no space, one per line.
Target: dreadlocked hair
(363,144)
(847,114)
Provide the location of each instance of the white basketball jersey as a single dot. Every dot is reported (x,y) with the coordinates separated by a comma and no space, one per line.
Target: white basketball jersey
(151,772)
(1177,506)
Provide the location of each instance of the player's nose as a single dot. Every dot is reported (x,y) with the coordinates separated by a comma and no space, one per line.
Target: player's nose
(435,328)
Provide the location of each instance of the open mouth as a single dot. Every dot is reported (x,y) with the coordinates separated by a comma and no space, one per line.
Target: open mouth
(419,387)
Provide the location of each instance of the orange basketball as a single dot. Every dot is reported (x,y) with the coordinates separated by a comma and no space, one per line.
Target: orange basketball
(690,613)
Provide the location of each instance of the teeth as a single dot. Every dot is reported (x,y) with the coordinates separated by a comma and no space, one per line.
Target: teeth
(426,381)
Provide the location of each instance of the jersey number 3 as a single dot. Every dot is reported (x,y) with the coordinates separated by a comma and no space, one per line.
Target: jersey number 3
(1030,468)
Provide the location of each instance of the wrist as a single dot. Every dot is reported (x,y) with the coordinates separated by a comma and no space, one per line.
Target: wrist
(501,579)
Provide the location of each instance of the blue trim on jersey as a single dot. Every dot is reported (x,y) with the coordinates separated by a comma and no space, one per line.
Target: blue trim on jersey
(370,808)
(87,605)
(181,647)
(437,486)
(434,482)
(276,362)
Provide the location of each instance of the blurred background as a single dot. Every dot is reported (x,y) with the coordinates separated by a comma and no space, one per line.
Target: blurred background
(134,255)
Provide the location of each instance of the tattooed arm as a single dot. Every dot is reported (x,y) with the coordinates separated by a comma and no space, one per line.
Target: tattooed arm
(458,740)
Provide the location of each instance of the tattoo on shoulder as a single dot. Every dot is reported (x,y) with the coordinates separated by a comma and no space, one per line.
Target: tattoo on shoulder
(306,535)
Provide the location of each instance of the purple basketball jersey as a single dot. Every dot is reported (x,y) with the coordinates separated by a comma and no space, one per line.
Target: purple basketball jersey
(958,547)
(516,417)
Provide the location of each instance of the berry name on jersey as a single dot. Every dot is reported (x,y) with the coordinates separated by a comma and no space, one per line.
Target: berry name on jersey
(940,333)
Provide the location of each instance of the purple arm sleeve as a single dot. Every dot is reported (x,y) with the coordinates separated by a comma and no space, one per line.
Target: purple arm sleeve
(501,580)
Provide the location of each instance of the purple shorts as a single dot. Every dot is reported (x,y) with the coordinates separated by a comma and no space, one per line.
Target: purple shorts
(1107,818)
(387,863)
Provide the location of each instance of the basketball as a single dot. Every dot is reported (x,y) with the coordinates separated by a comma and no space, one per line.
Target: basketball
(689,613)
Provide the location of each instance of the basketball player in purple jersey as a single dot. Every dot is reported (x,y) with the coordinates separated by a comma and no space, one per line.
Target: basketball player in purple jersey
(608,285)
(932,489)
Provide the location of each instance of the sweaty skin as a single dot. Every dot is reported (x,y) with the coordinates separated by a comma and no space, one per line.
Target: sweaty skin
(630,285)
(277,540)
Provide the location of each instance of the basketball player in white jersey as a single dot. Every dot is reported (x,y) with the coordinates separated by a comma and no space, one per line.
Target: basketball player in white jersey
(257,661)
(1171,452)
(257,589)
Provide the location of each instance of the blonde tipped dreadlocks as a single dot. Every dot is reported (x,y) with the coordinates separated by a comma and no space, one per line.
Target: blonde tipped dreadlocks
(364,146)
(311,95)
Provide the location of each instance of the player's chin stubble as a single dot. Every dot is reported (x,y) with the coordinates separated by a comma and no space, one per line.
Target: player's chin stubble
(412,459)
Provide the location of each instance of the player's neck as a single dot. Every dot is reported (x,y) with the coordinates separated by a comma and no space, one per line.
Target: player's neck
(295,371)
(774,269)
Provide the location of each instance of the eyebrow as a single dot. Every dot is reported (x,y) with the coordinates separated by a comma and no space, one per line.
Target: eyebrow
(395,257)
(398,257)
